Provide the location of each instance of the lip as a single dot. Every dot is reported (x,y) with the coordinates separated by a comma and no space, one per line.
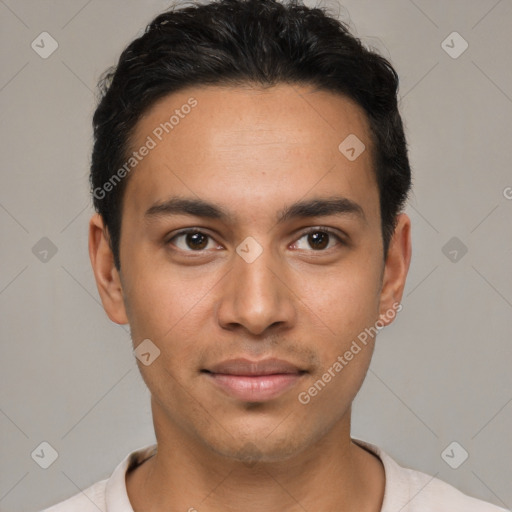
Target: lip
(254,381)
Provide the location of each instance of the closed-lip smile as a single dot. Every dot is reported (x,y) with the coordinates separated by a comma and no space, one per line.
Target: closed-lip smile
(254,381)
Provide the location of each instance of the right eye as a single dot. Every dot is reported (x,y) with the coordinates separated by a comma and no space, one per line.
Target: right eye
(192,240)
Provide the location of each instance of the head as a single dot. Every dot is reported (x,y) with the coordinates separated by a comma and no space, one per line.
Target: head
(277,136)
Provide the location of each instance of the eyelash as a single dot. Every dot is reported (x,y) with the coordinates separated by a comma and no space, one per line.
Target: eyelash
(315,229)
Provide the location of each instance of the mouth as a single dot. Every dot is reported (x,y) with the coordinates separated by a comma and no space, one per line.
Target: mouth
(254,381)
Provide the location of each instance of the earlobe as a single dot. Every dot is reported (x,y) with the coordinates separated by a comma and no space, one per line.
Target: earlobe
(396,269)
(105,273)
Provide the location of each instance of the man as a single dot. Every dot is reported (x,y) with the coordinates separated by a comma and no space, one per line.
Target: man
(249,172)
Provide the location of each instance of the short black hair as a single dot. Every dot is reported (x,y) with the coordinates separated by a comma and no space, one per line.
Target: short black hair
(260,43)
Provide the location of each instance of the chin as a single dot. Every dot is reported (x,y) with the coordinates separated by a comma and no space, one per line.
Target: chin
(253,448)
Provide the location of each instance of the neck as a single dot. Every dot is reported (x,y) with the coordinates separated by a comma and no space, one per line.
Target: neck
(333,474)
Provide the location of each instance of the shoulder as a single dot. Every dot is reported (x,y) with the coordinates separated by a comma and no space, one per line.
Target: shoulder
(409,490)
(91,499)
(427,493)
(108,493)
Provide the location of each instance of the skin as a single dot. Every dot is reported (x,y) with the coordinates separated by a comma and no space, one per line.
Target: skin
(253,152)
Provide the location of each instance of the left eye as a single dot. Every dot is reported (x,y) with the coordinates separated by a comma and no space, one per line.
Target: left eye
(197,241)
(318,239)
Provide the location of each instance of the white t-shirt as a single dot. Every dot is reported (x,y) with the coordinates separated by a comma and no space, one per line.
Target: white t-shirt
(406,490)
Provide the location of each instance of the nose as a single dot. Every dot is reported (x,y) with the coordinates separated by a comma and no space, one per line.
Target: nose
(256,296)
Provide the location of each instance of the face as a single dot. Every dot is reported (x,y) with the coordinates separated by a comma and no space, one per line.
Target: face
(257,286)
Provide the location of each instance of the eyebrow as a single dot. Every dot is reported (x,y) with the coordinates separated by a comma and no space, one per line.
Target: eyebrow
(316,207)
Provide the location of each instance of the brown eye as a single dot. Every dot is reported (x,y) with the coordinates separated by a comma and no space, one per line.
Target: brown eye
(196,240)
(193,239)
(319,239)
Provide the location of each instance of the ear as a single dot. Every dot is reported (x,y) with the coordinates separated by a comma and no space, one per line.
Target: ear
(107,277)
(395,269)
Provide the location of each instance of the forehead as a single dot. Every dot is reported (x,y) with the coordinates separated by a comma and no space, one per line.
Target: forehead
(253,147)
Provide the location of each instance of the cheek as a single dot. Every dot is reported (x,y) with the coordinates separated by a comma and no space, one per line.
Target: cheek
(343,301)
(348,308)
(162,300)
(171,311)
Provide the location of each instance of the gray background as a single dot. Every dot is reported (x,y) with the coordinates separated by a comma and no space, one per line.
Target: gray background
(440,372)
